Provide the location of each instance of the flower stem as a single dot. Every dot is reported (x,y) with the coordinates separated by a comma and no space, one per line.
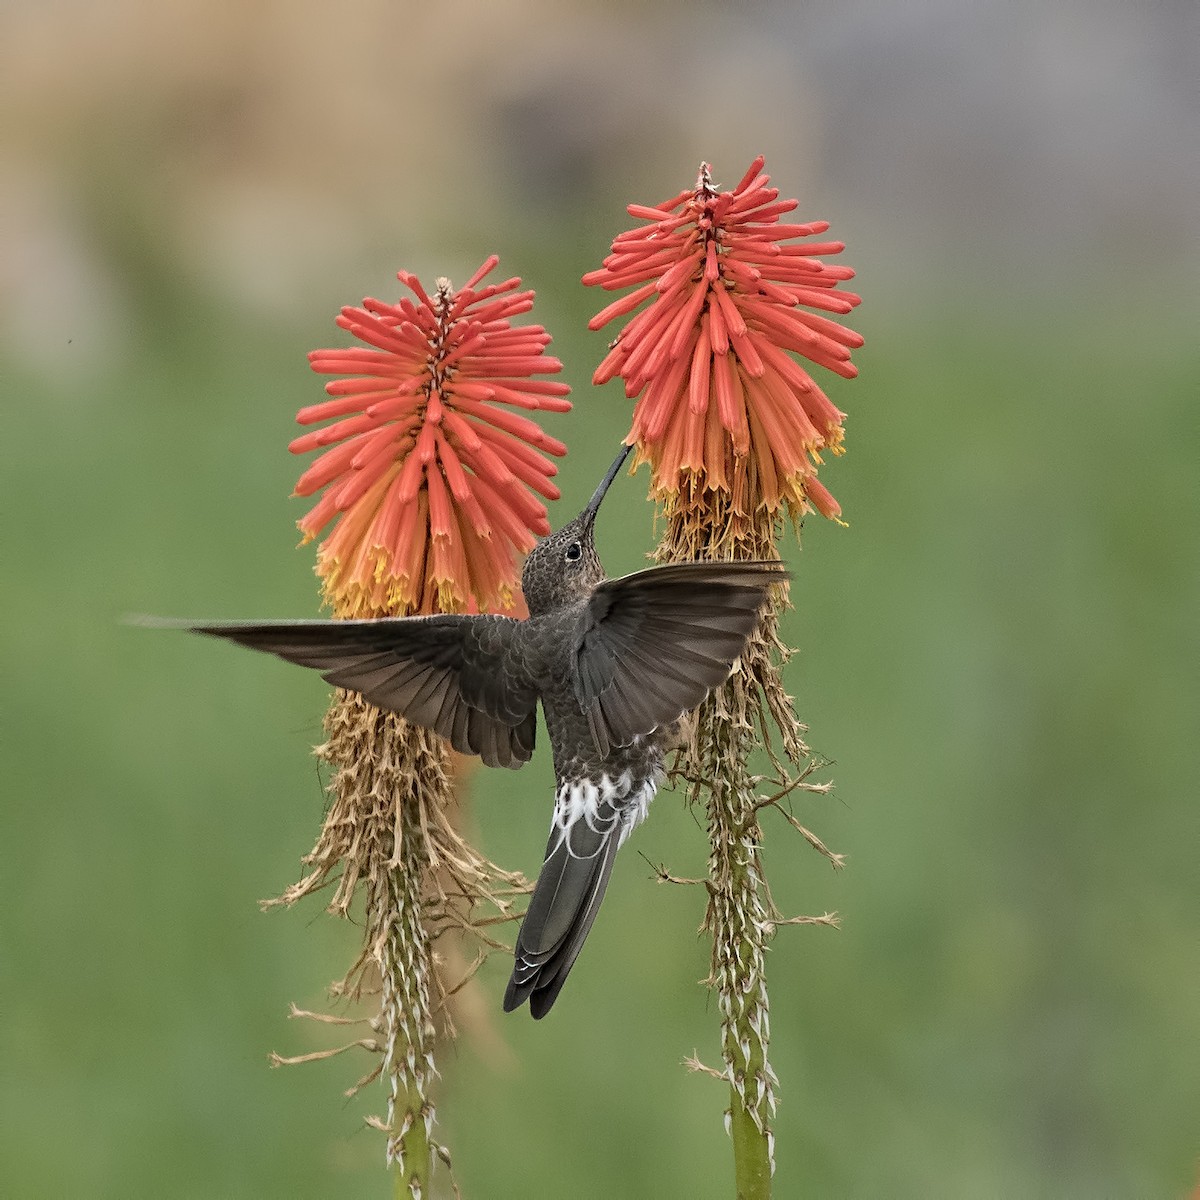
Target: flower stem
(406,975)
(731,724)
(738,919)
(413,1162)
(751,1159)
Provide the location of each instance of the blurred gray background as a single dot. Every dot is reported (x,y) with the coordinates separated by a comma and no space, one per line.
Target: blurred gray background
(999,654)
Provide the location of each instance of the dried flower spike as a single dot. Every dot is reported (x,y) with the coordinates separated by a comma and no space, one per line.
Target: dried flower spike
(729,291)
(733,428)
(429,477)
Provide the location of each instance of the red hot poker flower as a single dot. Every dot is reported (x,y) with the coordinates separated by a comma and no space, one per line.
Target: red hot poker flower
(721,400)
(430,479)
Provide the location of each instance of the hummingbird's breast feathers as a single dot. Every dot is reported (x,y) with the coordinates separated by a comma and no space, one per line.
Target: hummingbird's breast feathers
(587,810)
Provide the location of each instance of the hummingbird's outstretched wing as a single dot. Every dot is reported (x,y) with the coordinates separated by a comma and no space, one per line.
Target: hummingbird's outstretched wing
(652,645)
(458,675)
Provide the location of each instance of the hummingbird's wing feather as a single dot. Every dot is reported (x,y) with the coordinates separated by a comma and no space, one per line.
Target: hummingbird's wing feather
(461,676)
(590,823)
(652,645)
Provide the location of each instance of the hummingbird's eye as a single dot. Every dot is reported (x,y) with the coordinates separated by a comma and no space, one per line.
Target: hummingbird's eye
(574,551)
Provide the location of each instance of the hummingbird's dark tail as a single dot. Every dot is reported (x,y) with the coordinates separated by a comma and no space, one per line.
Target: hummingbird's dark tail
(591,820)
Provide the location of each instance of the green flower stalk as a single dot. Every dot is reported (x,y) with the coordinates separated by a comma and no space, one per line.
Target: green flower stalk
(733,428)
(430,480)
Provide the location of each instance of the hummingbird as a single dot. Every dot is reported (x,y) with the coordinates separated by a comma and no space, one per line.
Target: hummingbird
(615,664)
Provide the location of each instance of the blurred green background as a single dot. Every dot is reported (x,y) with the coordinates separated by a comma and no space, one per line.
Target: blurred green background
(999,654)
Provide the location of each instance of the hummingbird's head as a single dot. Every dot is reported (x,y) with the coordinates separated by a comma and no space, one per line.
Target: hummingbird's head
(565,567)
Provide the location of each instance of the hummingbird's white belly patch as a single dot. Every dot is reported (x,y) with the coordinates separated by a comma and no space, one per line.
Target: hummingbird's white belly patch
(586,811)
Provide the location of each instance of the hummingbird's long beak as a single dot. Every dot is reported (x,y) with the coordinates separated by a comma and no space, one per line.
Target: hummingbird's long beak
(593,505)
